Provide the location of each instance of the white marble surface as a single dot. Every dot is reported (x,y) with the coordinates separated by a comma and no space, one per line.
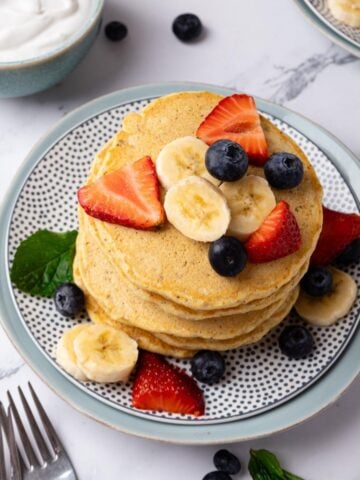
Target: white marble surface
(263,47)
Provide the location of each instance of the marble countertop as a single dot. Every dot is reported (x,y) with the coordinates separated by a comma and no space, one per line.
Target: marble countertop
(261,47)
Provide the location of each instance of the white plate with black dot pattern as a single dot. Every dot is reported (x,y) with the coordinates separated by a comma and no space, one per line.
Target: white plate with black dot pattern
(259,379)
(318,12)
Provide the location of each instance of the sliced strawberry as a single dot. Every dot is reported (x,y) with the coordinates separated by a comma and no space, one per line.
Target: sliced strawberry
(338,231)
(278,236)
(236,118)
(129,196)
(160,386)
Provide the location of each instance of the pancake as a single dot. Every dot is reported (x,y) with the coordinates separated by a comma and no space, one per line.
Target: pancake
(173,266)
(118,302)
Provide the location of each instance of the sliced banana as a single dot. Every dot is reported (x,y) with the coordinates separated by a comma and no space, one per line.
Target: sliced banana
(345,12)
(250,201)
(197,209)
(182,158)
(65,355)
(326,310)
(105,354)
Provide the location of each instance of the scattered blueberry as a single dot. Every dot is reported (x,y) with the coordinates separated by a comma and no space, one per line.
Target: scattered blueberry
(284,170)
(226,160)
(227,256)
(296,342)
(217,476)
(208,367)
(317,281)
(226,462)
(116,31)
(69,299)
(187,27)
(351,254)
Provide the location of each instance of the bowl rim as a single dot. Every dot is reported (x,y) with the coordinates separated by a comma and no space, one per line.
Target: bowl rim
(65,47)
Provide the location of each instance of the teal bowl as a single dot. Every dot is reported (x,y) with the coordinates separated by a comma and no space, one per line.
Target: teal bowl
(18,79)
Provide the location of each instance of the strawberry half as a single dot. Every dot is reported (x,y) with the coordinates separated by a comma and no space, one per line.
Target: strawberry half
(278,236)
(160,386)
(338,231)
(129,196)
(235,118)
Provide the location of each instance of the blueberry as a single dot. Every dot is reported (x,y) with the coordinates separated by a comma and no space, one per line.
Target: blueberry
(187,27)
(208,367)
(284,170)
(69,299)
(226,160)
(227,256)
(116,31)
(296,342)
(227,462)
(317,281)
(217,476)
(351,254)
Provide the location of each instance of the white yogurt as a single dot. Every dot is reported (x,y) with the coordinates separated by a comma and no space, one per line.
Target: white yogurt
(30,28)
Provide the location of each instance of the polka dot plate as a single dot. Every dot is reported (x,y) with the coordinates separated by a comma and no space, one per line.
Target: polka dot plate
(318,12)
(259,380)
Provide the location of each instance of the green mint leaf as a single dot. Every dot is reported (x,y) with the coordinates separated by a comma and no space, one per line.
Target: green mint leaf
(269,463)
(43,261)
(291,476)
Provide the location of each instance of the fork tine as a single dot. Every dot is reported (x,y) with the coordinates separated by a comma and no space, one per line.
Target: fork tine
(44,451)
(2,454)
(16,473)
(51,433)
(33,461)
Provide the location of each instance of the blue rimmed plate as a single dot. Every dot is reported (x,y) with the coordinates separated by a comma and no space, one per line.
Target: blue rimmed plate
(263,391)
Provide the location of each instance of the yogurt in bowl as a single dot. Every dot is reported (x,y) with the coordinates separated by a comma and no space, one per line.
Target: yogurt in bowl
(41,41)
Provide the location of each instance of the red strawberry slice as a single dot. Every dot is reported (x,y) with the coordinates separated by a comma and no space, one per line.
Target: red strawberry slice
(278,236)
(160,386)
(338,231)
(129,196)
(236,118)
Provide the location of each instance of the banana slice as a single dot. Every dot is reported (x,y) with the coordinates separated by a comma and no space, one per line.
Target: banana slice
(105,354)
(65,355)
(326,310)
(182,158)
(345,12)
(250,201)
(197,209)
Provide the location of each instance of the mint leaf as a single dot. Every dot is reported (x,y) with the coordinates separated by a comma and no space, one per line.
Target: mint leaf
(43,261)
(264,465)
(291,476)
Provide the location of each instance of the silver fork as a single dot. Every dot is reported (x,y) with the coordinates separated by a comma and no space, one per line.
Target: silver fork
(50,462)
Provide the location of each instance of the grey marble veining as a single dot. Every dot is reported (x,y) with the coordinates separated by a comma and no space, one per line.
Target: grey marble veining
(9,372)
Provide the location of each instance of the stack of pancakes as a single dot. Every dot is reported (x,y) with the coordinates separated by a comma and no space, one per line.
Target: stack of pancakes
(158,286)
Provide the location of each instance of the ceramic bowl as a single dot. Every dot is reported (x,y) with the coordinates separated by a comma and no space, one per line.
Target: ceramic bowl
(33,75)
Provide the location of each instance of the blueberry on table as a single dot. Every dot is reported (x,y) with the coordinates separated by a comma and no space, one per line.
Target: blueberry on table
(227,462)
(116,31)
(217,476)
(187,27)
(207,366)
(284,170)
(227,256)
(69,299)
(351,254)
(296,342)
(226,160)
(317,282)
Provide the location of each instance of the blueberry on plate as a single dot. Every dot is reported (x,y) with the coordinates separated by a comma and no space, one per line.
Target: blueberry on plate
(116,31)
(187,27)
(296,342)
(69,299)
(227,256)
(208,367)
(284,170)
(351,254)
(227,462)
(226,160)
(217,476)
(317,281)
